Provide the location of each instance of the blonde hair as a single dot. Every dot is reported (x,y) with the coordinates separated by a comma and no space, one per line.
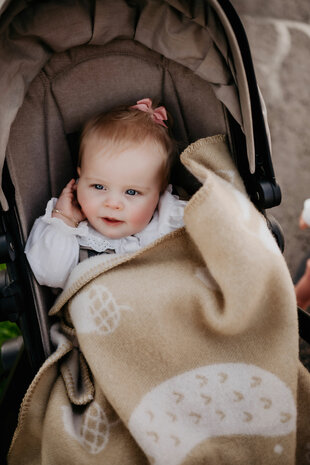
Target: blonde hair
(124,126)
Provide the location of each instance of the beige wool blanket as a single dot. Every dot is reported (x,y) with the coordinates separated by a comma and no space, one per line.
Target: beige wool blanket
(185,352)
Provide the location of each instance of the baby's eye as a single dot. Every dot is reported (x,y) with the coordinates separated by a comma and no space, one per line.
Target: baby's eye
(99,187)
(132,192)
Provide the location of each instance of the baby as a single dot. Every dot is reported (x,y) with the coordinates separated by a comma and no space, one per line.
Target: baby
(121,200)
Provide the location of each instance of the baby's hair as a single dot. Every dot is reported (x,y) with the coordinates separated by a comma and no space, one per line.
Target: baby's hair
(123,126)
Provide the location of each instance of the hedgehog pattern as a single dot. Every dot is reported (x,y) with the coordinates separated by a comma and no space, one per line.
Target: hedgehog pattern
(91,430)
(95,429)
(103,313)
(211,401)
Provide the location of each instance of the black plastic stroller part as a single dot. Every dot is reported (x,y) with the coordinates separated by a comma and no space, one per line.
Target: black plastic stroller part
(304,325)
(263,192)
(276,230)
(9,351)
(262,185)
(16,298)
(9,290)
(16,385)
(7,252)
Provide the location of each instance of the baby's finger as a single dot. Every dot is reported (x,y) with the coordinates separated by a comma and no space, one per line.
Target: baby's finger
(74,187)
(70,185)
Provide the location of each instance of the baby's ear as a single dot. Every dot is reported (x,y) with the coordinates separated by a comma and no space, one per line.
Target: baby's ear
(78,171)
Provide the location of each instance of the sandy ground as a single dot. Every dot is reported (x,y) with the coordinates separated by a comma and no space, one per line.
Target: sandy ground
(279,36)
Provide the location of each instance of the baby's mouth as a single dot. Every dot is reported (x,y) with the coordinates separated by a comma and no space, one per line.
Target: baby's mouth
(111,221)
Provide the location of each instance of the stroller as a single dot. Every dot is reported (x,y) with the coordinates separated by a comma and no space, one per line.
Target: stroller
(63,61)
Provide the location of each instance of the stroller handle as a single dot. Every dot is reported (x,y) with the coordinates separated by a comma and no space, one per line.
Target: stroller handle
(266,192)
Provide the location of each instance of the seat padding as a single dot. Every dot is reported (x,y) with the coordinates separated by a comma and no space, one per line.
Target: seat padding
(82,82)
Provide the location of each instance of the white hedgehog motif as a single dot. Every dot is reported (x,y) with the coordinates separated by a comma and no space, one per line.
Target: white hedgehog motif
(211,401)
(91,430)
(97,311)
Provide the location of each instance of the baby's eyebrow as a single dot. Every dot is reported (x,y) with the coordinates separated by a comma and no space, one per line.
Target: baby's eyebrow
(139,188)
(94,179)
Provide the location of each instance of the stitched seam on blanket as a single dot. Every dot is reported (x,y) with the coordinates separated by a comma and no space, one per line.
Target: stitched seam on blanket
(71,332)
(89,275)
(197,199)
(195,167)
(70,384)
(204,144)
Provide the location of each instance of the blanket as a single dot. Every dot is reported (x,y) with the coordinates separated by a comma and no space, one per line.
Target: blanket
(185,352)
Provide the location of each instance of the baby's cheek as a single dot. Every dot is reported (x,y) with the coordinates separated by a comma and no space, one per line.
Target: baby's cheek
(142,216)
(88,205)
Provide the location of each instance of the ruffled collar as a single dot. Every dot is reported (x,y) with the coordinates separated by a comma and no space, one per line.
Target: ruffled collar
(167,218)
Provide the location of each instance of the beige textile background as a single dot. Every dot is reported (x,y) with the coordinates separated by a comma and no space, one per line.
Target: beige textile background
(279,36)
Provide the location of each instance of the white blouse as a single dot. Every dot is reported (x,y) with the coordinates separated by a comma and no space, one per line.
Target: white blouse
(53,247)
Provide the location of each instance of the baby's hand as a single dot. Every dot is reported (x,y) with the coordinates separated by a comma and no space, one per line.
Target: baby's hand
(67,205)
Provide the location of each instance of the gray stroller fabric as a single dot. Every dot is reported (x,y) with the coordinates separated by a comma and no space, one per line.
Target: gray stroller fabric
(192,35)
(87,80)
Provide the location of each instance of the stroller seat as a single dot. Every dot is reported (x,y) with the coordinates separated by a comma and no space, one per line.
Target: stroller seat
(78,84)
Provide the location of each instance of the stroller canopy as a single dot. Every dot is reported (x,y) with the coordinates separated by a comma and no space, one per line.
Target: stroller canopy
(196,35)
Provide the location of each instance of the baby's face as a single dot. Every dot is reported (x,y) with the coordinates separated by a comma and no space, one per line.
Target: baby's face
(119,192)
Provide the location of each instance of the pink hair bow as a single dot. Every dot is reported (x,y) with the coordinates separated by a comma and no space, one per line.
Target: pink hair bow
(159,115)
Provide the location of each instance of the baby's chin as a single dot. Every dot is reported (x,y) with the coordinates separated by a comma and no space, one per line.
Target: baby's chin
(117,231)
(119,234)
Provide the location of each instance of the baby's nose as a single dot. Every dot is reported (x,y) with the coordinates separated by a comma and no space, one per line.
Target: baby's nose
(114,203)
